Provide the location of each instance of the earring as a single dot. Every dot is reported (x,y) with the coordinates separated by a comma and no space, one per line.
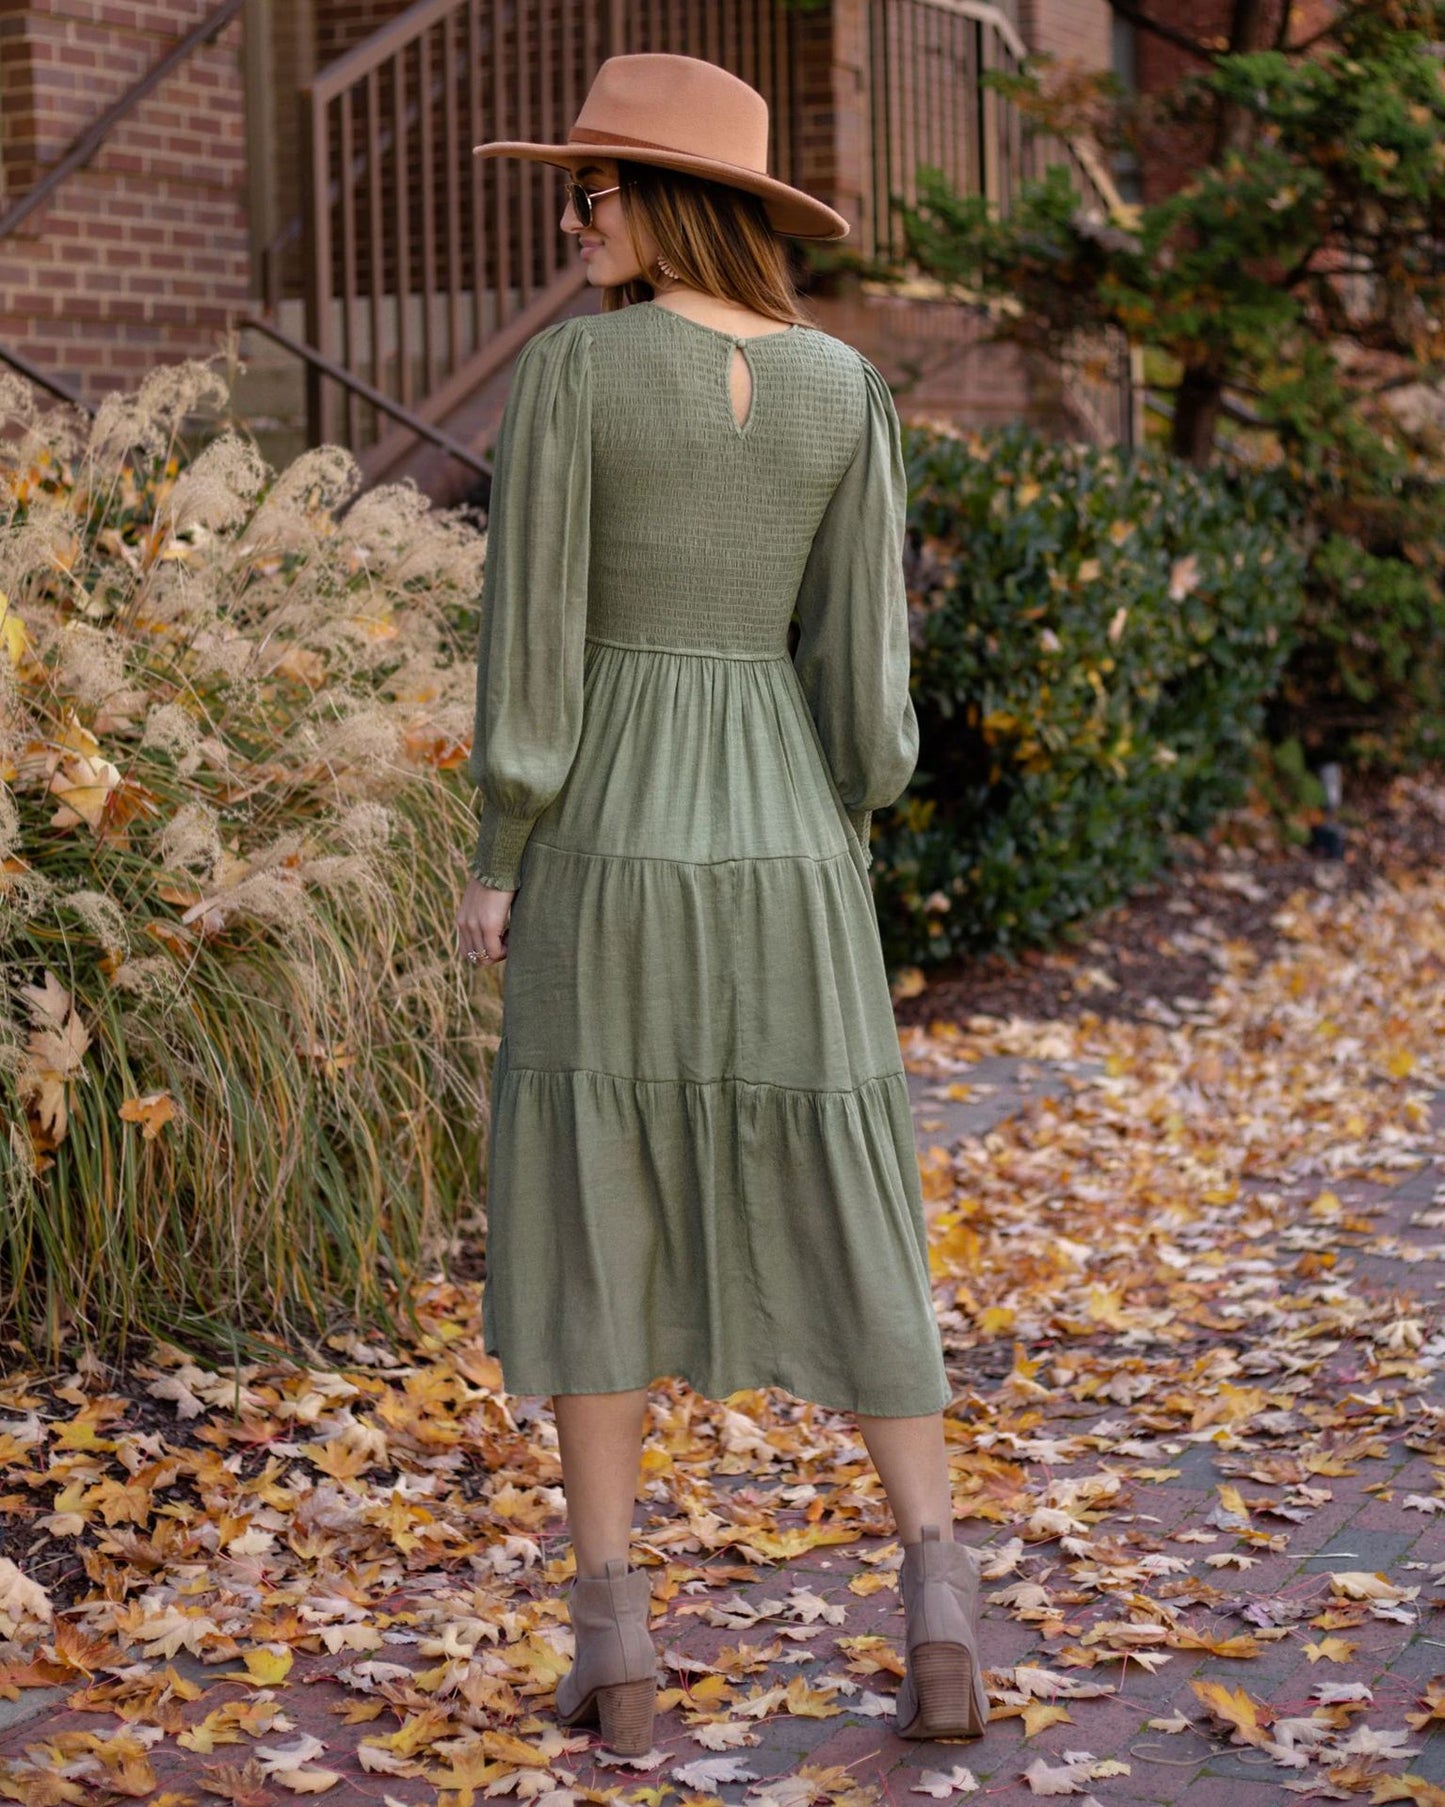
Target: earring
(666,269)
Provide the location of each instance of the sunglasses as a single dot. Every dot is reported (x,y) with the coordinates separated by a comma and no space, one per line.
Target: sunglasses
(581,199)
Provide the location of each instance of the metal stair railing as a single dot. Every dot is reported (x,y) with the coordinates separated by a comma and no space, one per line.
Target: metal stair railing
(412,421)
(928,106)
(81,152)
(43,379)
(427,269)
(90,141)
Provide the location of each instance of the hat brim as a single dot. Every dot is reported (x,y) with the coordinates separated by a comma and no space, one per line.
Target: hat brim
(789,210)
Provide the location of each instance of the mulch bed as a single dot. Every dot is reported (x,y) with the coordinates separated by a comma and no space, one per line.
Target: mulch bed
(1150,954)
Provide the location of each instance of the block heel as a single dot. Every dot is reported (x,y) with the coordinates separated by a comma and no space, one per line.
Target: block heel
(624,1713)
(947,1689)
(612,1684)
(942,1693)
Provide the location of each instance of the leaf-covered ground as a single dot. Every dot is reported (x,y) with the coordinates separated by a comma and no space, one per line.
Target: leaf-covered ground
(1190,1303)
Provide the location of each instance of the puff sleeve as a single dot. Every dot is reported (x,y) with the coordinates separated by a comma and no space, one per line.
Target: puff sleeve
(852,655)
(534,598)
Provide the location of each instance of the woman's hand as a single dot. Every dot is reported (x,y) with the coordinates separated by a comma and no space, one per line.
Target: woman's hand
(482,919)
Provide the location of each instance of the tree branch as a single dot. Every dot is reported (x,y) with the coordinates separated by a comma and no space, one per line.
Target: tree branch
(1180,39)
(1426,373)
(1325,31)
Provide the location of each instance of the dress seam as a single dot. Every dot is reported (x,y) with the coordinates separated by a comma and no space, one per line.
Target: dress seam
(762,1085)
(735,859)
(688,652)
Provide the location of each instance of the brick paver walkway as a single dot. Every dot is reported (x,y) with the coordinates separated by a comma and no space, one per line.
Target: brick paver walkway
(1364,1526)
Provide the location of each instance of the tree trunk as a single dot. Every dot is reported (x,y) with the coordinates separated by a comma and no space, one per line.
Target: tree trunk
(1234,126)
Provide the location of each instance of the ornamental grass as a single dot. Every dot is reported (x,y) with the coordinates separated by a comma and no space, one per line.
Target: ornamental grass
(241,1068)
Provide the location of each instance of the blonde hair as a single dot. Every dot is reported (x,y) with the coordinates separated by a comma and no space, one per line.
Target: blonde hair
(716,237)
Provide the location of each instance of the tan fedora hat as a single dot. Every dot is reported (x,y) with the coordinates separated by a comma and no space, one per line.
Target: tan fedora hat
(682,113)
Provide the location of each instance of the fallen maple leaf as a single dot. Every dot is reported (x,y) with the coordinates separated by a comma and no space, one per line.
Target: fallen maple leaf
(706,1773)
(1433,1700)
(1359,1584)
(933,1782)
(306,1779)
(152,1111)
(1070,1778)
(1408,1788)
(24,1605)
(1247,1717)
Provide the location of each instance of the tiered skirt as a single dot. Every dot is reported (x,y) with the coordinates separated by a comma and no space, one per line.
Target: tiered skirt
(702,1160)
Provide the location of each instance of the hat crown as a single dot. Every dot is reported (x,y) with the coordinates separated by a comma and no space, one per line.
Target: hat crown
(658,101)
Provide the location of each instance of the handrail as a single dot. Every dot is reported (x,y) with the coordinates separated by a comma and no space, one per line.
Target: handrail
(319,361)
(378,48)
(423,265)
(90,142)
(1080,150)
(45,381)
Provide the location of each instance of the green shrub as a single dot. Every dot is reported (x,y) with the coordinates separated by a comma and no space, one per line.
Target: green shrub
(1366,684)
(240,1068)
(1095,635)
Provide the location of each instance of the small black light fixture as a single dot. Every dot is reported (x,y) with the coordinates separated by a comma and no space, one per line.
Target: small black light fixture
(1327,838)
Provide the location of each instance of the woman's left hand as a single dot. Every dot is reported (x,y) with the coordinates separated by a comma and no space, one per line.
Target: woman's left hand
(482,920)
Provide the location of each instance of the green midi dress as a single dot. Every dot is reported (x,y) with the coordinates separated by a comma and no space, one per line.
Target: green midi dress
(701,1161)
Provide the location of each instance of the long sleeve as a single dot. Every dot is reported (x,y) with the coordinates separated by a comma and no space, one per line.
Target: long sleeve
(534,598)
(852,656)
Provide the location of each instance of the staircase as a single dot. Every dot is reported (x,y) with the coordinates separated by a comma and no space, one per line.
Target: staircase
(395,300)
(269,392)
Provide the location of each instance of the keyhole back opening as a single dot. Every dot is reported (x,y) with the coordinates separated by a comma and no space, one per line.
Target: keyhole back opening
(740,387)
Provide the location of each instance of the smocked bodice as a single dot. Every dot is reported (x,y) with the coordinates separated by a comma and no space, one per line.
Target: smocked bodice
(700,528)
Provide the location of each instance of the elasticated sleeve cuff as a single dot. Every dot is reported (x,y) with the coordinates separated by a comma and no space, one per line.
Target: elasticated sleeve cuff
(497,860)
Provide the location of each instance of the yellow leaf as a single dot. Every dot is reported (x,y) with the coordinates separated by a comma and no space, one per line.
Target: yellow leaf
(1243,1644)
(152,1112)
(871,1584)
(306,1779)
(340,1461)
(1360,1584)
(783,1544)
(1039,1715)
(1332,1650)
(216,1728)
(1433,1700)
(266,1668)
(810,1703)
(504,1748)
(1106,1307)
(83,786)
(13,633)
(1409,1788)
(909,982)
(1236,1709)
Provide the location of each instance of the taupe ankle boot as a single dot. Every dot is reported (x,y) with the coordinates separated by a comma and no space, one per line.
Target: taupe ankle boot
(942,1693)
(613,1679)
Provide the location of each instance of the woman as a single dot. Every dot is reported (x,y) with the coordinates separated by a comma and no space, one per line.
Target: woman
(701,1158)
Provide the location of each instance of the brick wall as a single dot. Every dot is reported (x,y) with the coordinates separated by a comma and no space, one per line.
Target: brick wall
(1077,33)
(340,24)
(1172,152)
(140,255)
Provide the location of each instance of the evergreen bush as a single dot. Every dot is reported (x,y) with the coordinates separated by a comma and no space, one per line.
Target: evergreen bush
(1095,636)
